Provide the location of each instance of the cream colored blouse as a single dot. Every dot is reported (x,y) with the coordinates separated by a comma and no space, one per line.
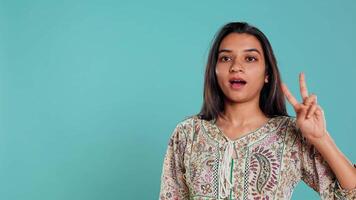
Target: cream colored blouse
(202,163)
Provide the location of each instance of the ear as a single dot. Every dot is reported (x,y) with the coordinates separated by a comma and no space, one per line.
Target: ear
(266,79)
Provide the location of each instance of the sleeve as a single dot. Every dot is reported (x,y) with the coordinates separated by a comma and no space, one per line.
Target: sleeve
(173,185)
(317,174)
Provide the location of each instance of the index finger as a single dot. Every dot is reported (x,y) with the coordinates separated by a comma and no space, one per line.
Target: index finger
(303,86)
(290,97)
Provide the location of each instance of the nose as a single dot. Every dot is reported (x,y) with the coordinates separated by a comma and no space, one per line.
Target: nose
(236,67)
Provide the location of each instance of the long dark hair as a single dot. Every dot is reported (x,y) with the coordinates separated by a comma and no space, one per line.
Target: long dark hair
(272,102)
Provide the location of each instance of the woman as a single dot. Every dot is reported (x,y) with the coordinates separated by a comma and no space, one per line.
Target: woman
(243,144)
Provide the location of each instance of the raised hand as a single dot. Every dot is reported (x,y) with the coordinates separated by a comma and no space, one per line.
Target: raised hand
(309,115)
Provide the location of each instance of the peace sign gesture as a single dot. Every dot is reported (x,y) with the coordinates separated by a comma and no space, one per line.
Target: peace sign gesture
(310,116)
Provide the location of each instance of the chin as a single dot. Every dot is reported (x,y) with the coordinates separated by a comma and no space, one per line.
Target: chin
(237,99)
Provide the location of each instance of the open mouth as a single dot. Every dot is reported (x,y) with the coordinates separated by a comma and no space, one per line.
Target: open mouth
(237,83)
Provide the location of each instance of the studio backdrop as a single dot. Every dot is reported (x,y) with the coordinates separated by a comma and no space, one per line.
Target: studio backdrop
(90,91)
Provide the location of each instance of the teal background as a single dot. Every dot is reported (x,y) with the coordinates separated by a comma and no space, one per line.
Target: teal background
(91,90)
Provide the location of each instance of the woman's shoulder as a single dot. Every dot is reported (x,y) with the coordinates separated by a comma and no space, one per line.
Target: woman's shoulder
(189,119)
(290,120)
(188,122)
(185,126)
(292,131)
(285,124)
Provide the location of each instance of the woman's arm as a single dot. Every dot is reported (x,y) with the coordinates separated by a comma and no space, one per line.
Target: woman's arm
(173,185)
(310,120)
(340,165)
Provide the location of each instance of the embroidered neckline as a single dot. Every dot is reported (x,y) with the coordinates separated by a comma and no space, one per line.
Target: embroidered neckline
(213,122)
(256,132)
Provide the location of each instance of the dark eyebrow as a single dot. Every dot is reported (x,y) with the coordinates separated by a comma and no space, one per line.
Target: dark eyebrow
(246,50)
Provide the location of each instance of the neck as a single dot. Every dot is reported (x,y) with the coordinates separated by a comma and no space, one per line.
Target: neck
(244,113)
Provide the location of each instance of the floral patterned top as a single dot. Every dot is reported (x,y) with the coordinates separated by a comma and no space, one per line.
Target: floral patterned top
(202,163)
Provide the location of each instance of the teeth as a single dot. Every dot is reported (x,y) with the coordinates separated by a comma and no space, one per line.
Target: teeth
(238,81)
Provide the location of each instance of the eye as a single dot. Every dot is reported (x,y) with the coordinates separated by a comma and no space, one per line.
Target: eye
(251,58)
(225,58)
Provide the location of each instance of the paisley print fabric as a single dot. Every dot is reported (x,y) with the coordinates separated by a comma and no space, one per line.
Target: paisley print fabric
(267,163)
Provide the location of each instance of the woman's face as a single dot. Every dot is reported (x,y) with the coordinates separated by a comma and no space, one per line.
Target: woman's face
(241,56)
